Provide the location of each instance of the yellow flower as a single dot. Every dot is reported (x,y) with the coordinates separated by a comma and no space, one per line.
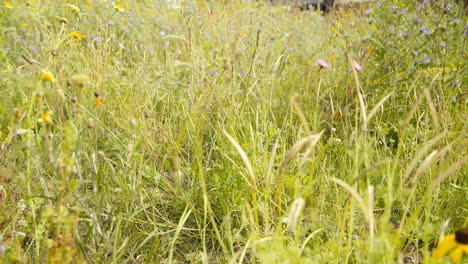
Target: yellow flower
(118,7)
(455,244)
(98,101)
(45,118)
(47,76)
(76,35)
(8,4)
(74,8)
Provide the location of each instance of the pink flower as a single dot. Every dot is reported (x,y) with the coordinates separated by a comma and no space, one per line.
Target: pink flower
(323,64)
(356,66)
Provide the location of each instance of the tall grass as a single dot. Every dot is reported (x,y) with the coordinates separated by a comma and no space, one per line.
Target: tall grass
(135,132)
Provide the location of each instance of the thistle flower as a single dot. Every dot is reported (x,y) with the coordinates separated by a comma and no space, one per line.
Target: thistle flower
(76,35)
(47,76)
(323,64)
(357,66)
(455,244)
(79,79)
(8,4)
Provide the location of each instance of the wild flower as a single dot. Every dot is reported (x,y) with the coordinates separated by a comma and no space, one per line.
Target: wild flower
(118,8)
(98,102)
(425,30)
(45,118)
(454,244)
(323,64)
(79,79)
(76,35)
(357,66)
(8,4)
(47,76)
(74,8)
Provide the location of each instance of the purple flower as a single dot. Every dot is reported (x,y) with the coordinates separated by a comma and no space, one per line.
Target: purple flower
(456,20)
(404,10)
(393,8)
(368,11)
(110,23)
(403,35)
(323,64)
(418,21)
(97,39)
(443,44)
(425,30)
(357,66)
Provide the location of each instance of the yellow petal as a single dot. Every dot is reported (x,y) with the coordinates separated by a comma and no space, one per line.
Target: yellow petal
(457,253)
(445,246)
(98,102)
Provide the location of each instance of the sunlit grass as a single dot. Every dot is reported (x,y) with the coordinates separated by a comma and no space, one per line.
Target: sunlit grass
(136,132)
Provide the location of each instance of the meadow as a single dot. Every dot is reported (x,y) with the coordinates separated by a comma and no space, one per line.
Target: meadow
(231,132)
